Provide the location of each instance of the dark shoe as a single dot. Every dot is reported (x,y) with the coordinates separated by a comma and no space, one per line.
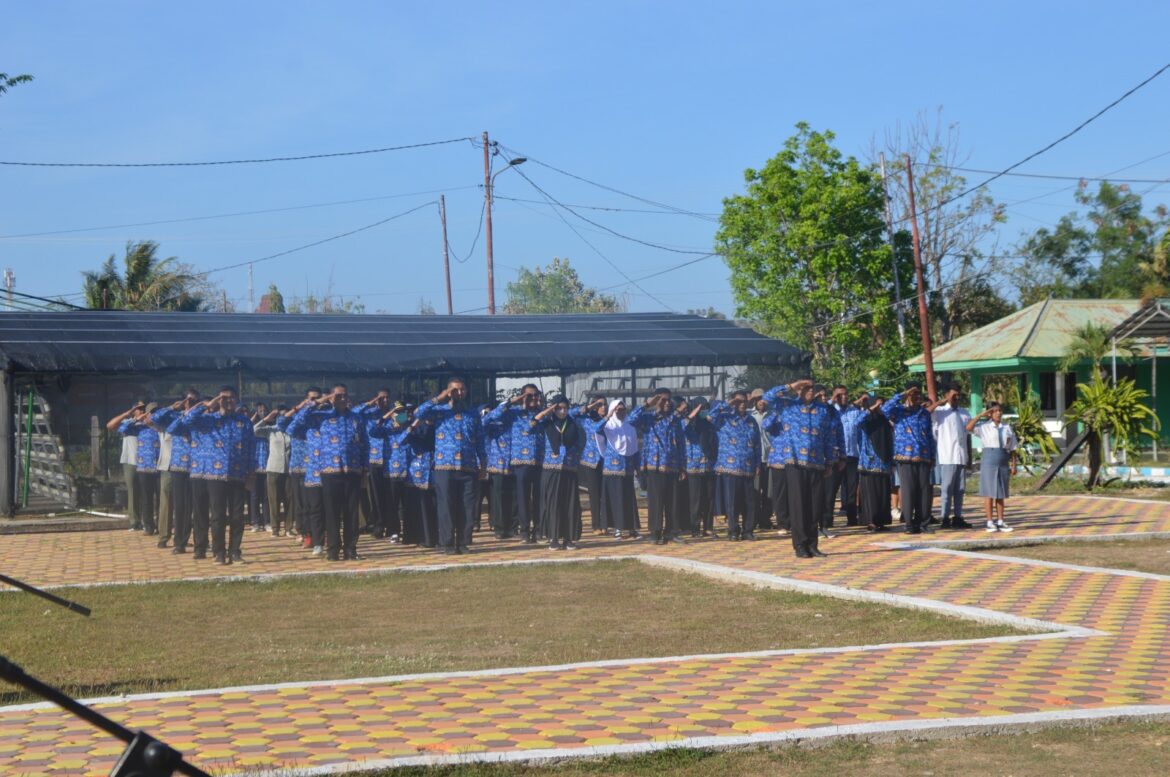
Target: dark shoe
(913,529)
(200,554)
(355,556)
(178,550)
(961,524)
(803,554)
(449,550)
(818,553)
(162,543)
(750,536)
(238,557)
(220,559)
(945,524)
(379,534)
(571,546)
(678,538)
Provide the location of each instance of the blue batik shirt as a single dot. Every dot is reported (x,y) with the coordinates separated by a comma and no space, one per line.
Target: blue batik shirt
(221,445)
(739,441)
(396,462)
(146,460)
(180,443)
(913,431)
(875,451)
(780,452)
(663,449)
(497,446)
(591,454)
(614,463)
(562,456)
(372,416)
(701,446)
(526,439)
(421,446)
(261,448)
(312,457)
(298,449)
(343,444)
(459,441)
(851,418)
(812,433)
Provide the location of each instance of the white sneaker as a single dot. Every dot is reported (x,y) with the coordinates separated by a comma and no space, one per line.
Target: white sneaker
(991,526)
(318,550)
(255,529)
(1001,526)
(896,512)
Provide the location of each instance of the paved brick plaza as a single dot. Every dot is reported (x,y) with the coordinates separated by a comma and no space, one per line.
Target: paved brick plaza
(1099,648)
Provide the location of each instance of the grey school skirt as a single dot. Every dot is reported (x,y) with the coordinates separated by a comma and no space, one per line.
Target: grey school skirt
(994,473)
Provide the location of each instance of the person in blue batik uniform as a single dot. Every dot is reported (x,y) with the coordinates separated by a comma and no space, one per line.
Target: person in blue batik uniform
(518,416)
(560,508)
(778,454)
(222,459)
(460,459)
(663,462)
(392,431)
(180,466)
(589,473)
(913,453)
(735,467)
(875,463)
(702,449)
(422,519)
(845,479)
(298,458)
(146,478)
(258,495)
(618,442)
(373,493)
(501,483)
(344,456)
(811,446)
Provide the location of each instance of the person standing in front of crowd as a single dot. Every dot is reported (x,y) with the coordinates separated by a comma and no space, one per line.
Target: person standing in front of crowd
(812,446)
(954,454)
(298,461)
(618,442)
(392,431)
(663,462)
(589,472)
(772,428)
(845,480)
(275,469)
(501,480)
(875,464)
(702,448)
(373,491)
(222,460)
(736,464)
(128,461)
(558,482)
(914,453)
(258,494)
(518,416)
(178,469)
(422,520)
(146,478)
(764,512)
(460,459)
(997,464)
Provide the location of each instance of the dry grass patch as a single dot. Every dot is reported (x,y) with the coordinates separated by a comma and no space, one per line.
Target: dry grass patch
(1134,555)
(172,636)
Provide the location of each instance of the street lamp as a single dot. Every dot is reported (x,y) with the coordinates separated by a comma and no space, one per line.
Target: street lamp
(489,181)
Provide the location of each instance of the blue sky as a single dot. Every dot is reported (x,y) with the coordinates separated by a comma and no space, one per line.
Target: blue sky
(670,101)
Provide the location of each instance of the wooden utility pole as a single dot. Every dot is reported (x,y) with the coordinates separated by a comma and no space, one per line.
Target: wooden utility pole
(487,207)
(446,257)
(893,255)
(923,318)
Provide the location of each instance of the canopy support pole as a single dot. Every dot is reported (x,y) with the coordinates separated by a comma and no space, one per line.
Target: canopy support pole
(7,446)
(633,386)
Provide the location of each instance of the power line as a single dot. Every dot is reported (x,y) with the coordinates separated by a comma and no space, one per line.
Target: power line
(661,272)
(317,242)
(603,207)
(237,213)
(333,155)
(1052,177)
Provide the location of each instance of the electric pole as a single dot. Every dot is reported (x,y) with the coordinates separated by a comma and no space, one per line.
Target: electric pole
(923,319)
(487,206)
(9,285)
(893,255)
(251,291)
(446,258)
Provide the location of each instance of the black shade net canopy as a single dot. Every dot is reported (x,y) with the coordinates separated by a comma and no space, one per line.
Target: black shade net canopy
(109,342)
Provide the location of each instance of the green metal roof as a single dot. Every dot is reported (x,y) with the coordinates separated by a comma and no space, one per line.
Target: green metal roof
(1040,331)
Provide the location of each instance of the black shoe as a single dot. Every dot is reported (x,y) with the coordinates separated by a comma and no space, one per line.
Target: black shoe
(750,536)
(162,543)
(200,554)
(238,557)
(945,524)
(177,550)
(220,558)
(530,539)
(354,556)
(803,554)
(449,550)
(961,524)
(913,529)
(332,557)
(818,553)
(379,534)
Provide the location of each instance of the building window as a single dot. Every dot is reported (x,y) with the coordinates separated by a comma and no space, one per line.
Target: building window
(1046,388)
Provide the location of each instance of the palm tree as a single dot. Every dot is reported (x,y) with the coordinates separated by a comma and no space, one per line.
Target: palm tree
(1091,343)
(148,283)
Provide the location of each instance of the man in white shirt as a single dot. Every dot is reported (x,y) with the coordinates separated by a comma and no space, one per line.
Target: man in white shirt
(128,461)
(951,437)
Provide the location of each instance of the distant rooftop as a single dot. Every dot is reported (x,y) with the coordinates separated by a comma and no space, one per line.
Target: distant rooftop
(1040,331)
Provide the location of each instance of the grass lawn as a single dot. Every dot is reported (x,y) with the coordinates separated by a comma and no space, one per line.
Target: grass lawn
(1122,749)
(1137,489)
(1137,555)
(171,636)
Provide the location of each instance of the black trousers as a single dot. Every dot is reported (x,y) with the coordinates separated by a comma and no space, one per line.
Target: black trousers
(146,496)
(527,478)
(200,513)
(340,492)
(764,507)
(843,482)
(457,493)
(805,501)
(620,504)
(701,492)
(502,503)
(681,505)
(181,507)
(660,502)
(395,502)
(227,515)
(778,493)
(917,493)
(738,495)
(421,524)
(258,500)
(590,477)
(875,498)
(314,515)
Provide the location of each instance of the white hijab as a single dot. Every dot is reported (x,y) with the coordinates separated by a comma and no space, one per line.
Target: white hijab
(619,435)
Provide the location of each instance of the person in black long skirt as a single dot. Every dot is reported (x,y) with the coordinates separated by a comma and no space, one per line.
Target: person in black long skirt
(875,464)
(558,480)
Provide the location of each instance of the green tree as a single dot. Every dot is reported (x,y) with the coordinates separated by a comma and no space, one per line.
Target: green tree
(7,81)
(556,288)
(273,301)
(1091,343)
(325,303)
(146,283)
(1116,411)
(809,258)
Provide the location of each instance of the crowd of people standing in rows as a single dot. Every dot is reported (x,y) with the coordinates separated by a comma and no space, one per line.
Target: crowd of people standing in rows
(776,460)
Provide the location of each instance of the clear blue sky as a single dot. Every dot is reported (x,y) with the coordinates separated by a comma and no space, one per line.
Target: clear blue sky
(668,100)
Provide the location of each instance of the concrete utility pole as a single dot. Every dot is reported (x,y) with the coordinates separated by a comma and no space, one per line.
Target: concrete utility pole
(9,285)
(487,206)
(893,255)
(251,291)
(923,318)
(446,257)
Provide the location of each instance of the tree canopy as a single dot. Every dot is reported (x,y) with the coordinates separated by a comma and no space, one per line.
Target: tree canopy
(556,288)
(146,282)
(810,260)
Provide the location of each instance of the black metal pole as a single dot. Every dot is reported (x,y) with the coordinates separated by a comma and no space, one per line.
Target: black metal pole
(74,606)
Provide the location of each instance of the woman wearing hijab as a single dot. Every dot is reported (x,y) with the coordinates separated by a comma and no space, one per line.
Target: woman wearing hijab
(618,441)
(558,481)
(998,462)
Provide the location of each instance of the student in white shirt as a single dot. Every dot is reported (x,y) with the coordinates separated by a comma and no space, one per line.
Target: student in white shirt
(998,462)
(950,434)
